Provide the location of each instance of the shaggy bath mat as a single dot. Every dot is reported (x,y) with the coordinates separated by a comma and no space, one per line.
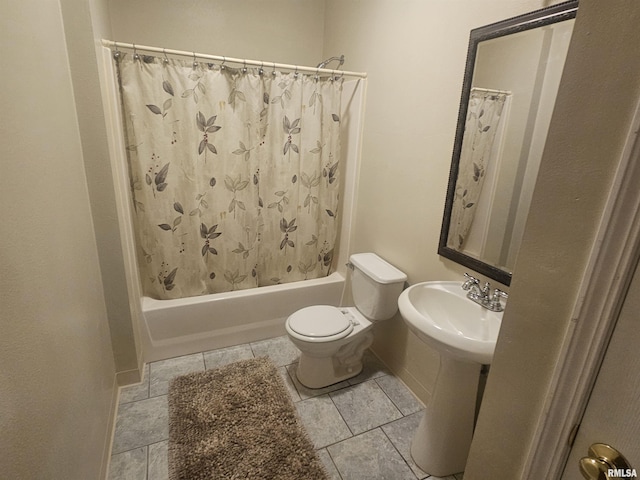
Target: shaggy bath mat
(237,422)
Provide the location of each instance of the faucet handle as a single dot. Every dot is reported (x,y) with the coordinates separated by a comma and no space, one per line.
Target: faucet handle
(494,303)
(469,282)
(499,293)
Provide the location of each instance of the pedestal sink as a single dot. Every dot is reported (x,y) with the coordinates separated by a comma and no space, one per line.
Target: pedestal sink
(465,334)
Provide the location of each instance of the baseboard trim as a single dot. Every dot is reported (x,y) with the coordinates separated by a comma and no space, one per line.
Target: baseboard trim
(128,377)
(111,427)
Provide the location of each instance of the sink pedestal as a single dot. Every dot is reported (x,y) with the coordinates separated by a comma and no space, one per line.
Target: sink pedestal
(441,444)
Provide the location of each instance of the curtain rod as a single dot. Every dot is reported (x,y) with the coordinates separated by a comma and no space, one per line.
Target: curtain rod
(490,90)
(243,61)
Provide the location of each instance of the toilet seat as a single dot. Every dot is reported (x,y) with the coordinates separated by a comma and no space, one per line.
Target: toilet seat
(320,323)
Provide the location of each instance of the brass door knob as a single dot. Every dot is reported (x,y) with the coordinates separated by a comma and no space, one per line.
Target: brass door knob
(604,463)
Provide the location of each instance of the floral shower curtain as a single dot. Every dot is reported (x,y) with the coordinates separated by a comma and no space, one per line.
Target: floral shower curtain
(234,174)
(483,118)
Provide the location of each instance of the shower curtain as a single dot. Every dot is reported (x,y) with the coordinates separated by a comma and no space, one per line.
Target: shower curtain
(234,174)
(483,118)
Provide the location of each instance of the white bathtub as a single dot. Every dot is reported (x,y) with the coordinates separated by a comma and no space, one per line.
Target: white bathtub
(194,324)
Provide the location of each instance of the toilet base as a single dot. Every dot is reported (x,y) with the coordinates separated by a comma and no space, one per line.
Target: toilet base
(319,372)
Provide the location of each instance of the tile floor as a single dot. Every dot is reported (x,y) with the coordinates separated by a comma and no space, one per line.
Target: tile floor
(361,427)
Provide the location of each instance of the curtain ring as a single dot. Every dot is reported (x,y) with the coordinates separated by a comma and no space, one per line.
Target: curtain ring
(317,77)
(295,74)
(135,53)
(244,68)
(166,59)
(222,67)
(195,63)
(116,54)
(261,69)
(273,72)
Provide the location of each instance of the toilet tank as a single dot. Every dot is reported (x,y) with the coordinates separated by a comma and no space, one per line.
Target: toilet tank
(375,285)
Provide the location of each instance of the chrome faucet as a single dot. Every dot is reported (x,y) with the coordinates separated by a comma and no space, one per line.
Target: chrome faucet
(482,295)
(472,285)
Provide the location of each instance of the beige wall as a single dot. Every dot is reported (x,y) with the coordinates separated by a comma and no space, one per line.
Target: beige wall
(414,52)
(597,97)
(283,31)
(57,374)
(85,23)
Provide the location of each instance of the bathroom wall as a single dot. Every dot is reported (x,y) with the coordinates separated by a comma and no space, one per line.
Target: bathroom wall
(57,374)
(85,23)
(414,52)
(597,98)
(283,31)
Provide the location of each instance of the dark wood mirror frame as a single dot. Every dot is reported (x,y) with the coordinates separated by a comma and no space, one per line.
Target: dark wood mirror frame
(539,18)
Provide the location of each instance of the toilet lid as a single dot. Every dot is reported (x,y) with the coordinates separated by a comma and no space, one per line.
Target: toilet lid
(320,321)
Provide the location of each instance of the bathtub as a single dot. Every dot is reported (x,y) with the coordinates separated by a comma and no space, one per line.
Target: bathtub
(188,325)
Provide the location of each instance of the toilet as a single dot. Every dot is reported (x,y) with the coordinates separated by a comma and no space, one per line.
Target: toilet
(332,339)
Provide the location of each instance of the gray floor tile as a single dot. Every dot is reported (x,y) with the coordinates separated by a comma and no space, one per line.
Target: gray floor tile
(225,356)
(329,466)
(306,392)
(401,433)
(141,423)
(369,456)
(364,406)
(131,465)
(140,391)
(280,350)
(162,372)
(158,461)
(399,394)
(322,421)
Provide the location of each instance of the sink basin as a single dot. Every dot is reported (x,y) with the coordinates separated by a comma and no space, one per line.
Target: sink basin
(442,316)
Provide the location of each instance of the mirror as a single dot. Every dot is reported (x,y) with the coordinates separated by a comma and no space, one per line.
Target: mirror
(509,90)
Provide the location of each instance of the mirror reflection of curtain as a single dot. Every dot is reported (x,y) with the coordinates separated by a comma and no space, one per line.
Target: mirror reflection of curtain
(234,174)
(483,119)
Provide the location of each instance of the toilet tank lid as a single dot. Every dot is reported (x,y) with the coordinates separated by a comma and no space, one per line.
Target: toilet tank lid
(377,268)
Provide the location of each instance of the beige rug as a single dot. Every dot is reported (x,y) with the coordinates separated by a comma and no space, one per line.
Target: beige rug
(237,422)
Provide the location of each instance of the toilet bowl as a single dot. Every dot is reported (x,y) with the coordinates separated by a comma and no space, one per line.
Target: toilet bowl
(331,339)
